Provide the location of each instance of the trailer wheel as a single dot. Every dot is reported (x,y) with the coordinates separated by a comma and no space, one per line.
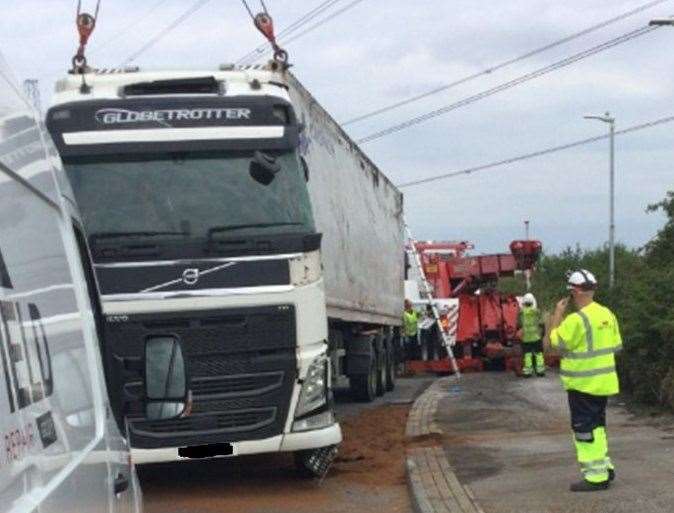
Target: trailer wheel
(364,386)
(390,368)
(381,370)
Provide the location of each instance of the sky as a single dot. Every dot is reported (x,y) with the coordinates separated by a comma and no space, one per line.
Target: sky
(382,51)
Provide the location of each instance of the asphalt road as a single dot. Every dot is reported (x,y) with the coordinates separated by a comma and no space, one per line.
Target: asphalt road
(510,441)
(368,476)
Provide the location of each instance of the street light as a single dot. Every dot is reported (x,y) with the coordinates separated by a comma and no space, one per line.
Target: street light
(662,22)
(606,118)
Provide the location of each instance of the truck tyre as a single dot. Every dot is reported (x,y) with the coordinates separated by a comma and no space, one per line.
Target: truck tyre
(381,368)
(364,386)
(315,463)
(390,368)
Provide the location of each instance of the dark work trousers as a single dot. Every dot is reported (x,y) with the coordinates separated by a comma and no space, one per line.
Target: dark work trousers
(588,421)
(429,340)
(412,349)
(588,412)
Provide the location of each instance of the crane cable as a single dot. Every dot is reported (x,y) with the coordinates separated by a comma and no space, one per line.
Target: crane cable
(179,20)
(300,22)
(316,25)
(508,85)
(504,64)
(539,153)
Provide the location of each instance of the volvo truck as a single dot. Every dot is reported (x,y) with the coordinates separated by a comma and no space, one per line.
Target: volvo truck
(226,208)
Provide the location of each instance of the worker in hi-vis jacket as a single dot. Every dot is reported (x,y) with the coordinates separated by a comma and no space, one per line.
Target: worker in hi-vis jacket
(410,332)
(530,322)
(587,341)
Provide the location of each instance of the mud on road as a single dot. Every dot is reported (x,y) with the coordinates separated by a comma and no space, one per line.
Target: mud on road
(368,475)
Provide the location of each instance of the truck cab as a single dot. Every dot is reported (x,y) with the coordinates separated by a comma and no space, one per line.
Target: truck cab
(194,200)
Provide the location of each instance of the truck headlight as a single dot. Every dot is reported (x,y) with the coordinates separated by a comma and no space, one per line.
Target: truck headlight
(314,393)
(318,421)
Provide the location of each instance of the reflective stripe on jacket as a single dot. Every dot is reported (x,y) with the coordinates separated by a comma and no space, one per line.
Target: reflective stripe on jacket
(411,323)
(588,341)
(530,321)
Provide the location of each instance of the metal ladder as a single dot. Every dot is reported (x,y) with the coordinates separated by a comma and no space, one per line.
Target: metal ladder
(428,295)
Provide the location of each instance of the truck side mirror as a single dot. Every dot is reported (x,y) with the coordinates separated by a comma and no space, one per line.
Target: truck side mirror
(167,394)
(263,168)
(305,167)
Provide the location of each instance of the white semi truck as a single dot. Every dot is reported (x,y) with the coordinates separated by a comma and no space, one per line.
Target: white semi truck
(228,210)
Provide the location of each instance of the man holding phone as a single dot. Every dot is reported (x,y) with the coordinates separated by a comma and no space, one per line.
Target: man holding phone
(587,341)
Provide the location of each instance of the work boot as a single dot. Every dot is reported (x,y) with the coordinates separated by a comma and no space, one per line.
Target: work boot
(611,474)
(540,374)
(587,486)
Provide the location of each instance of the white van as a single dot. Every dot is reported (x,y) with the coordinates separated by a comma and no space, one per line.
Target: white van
(60,447)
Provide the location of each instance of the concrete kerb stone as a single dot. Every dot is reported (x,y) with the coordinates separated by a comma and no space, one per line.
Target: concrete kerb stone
(433,484)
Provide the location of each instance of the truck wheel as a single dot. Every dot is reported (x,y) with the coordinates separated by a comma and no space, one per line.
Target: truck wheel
(390,368)
(315,463)
(381,370)
(364,386)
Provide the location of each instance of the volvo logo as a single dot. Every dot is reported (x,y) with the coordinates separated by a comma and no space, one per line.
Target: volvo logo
(191,276)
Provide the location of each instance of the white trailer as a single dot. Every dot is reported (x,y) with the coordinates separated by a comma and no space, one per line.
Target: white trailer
(228,210)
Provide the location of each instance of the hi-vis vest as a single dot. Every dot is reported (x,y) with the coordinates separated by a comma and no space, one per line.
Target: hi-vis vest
(588,341)
(411,323)
(530,320)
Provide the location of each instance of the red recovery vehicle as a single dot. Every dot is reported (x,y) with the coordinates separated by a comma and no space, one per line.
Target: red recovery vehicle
(487,318)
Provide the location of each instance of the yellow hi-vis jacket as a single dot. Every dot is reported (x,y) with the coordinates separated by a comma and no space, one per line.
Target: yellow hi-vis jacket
(588,340)
(410,323)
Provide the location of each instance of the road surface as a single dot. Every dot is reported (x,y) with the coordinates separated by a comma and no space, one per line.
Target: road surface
(510,441)
(368,476)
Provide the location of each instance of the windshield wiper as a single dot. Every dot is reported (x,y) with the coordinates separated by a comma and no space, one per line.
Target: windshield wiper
(234,227)
(119,235)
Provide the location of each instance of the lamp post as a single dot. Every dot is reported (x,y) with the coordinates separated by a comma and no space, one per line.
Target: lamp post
(662,22)
(606,118)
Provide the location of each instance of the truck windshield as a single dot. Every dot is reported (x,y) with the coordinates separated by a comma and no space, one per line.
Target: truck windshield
(196,196)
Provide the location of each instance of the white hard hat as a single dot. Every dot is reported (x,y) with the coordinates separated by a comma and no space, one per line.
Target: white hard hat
(581,278)
(528,299)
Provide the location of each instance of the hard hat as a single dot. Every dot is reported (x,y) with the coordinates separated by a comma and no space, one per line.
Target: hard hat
(528,299)
(582,279)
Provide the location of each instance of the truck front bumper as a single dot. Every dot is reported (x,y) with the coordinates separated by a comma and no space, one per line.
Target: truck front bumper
(331,435)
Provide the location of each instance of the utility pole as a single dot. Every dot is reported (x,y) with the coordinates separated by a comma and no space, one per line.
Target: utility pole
(527,272)
(606,118)
(31,88)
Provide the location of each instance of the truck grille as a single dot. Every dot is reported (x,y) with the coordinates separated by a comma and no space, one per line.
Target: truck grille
(243,420)
(242,366)
(244,385)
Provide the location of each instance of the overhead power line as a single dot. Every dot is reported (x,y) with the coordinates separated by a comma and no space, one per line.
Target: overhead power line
(328,18)
(298,23)
(179,20)
(322,22)
(508,85)
(535,154)
(505,64)
(129,26)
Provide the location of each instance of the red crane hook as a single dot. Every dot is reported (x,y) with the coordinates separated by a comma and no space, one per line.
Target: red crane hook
(86,23)
(265,24)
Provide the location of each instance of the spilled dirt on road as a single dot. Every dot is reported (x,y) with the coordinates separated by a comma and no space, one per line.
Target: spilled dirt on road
(368,476)
(374,447)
